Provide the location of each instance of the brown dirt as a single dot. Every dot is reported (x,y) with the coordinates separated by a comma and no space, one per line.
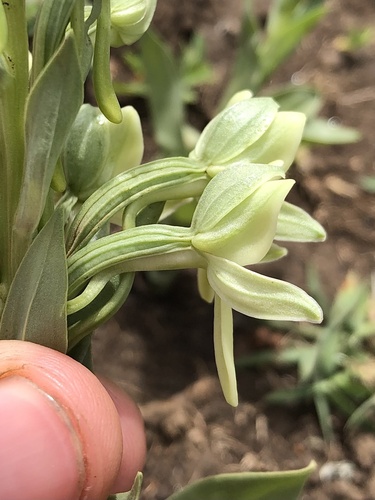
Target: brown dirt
(159,347)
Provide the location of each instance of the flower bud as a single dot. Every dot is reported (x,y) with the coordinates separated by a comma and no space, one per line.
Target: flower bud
(129,20)
(86,151)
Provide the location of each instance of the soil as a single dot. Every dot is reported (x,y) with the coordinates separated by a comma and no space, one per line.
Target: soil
(159,347)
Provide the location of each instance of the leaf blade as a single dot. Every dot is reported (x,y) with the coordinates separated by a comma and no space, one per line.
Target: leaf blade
(35,309)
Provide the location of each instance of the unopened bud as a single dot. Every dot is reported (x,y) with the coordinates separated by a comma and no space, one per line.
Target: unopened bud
(85,153)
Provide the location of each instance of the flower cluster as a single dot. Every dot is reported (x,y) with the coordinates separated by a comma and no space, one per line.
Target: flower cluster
(240,214)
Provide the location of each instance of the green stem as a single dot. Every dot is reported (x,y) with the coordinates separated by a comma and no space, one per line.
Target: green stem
(77,21)
(12,106)
(144,248)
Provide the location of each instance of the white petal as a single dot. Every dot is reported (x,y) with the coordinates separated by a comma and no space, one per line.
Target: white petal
(204,288)
(260,296)
(246,234)
(294,224)
(223,344)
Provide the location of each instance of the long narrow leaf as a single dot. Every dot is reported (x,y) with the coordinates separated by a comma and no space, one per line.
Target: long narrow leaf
(35,309)
(165,93)
(53,104)
(51,23)
(248,486)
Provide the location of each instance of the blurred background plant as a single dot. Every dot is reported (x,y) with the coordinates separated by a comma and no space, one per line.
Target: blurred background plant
(335,361)
(170,86)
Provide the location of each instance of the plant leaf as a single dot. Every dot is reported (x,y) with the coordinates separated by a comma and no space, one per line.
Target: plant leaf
(52,106)
(134,493)
(35,309)
(248,486)
(3,28)
(50,26)
(321,131)
(165,91)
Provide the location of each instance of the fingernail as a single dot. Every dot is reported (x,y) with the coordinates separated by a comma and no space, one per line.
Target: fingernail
(40,454)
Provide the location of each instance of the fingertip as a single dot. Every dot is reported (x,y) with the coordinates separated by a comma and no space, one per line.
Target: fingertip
(133,436)
(90,412)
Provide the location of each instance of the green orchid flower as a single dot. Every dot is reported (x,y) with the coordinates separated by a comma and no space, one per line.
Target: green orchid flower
(250,130)
(240,213)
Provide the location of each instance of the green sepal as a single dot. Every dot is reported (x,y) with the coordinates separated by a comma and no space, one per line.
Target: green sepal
(294,224)
(229,189)
(35,309)
(235,129)
(259,296)
(285,485)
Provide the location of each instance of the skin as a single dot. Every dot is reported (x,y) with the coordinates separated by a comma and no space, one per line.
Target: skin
(63,433)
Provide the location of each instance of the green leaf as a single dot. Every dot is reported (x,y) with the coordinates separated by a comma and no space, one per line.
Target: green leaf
(35,309)
(367,182)
(134,493)
(248,486)
(246,65)
(165,91)
(52,106)
(287,24)
(320,131)
(3,28)
(51,23)
(299,98)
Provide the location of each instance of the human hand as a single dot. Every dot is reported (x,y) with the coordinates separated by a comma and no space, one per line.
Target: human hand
(63,436)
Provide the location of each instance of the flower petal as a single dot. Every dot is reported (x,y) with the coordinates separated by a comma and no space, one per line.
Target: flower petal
(245,235)
(259,296)
(280,141)
(234,129)
(204,288)
(294,224)
(223,345)
(227,190)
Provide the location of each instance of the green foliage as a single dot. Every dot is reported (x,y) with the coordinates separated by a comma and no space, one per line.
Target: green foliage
(41,283)
(355,39)
(168,82)
(248,486)
(335,362)
(68,170)
(260,51)
(367,182)
(317,130)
